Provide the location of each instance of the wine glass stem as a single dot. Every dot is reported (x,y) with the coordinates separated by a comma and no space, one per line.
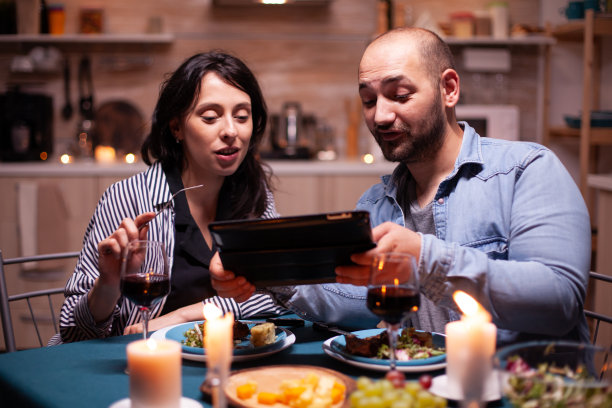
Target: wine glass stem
(144,312)
(392,331)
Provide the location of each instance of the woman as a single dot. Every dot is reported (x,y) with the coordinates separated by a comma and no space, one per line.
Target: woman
(206,128)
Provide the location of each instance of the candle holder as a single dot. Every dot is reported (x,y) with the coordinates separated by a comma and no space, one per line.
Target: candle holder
(215,383)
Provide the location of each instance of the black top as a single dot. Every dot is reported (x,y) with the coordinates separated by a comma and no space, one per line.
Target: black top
(190,279)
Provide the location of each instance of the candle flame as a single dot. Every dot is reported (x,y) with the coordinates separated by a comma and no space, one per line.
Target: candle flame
(212,312)
(151,344)
(468,305)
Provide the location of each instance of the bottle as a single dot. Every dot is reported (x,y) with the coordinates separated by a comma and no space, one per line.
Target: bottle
(44,18)
(499,18)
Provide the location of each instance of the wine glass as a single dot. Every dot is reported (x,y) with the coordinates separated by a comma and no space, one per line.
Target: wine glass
(145,277)
(393,293)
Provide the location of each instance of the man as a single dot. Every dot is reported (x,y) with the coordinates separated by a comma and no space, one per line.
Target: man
(502,221)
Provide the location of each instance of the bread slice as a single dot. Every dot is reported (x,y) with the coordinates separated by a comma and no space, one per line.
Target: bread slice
(263,334)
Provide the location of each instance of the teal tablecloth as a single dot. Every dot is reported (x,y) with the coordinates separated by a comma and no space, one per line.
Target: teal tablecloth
(91,373)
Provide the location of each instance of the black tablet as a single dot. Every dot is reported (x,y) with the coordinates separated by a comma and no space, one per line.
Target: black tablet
(295,250)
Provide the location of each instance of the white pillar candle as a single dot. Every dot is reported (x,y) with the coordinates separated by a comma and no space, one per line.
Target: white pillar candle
(155,373)
(219,344)
(470,345)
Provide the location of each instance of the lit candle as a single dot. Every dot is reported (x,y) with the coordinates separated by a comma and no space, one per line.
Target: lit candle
(219,344)
(104,154)
(470,345)
(155,373)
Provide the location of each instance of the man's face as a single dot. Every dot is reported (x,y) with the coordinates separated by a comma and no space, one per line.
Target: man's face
(402,108)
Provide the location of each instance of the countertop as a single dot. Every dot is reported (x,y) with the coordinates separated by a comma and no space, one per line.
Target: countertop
(279,167)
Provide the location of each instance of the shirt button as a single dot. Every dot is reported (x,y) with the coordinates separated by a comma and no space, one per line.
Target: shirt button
(440,201)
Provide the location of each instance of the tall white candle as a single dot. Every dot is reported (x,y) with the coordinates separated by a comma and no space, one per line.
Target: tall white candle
(155,373)
(470,345)
(219,344)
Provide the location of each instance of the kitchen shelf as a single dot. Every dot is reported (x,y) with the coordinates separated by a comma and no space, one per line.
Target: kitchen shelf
(589,32)
(600,136)
(528,40)
(86,42)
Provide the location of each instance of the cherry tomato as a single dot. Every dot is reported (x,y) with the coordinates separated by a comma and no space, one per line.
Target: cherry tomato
(425,381)
(396,378)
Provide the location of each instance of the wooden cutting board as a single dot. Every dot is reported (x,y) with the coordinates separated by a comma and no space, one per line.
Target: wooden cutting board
(269,379)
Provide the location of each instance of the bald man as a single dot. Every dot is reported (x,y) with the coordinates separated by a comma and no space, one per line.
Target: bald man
(502,221)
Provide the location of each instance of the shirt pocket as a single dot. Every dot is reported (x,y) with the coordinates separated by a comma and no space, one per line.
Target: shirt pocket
(494,247)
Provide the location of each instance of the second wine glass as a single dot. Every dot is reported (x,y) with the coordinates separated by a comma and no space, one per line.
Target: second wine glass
(393,293)
(145,276)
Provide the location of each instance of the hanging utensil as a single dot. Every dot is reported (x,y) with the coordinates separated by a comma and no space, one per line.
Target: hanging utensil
(86,99)
(67,109)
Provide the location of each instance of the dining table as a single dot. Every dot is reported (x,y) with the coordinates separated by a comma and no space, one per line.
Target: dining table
(92,373)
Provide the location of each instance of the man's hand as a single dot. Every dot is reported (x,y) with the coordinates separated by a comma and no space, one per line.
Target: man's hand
(227,284)
(389,237)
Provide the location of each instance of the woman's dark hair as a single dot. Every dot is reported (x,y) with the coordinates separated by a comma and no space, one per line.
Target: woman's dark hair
(246,189)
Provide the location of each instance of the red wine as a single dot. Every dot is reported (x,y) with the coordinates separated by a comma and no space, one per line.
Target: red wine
(391,303)
(145,290)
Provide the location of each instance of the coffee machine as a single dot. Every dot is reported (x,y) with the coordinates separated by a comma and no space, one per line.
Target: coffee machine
(26,126)
(291,133)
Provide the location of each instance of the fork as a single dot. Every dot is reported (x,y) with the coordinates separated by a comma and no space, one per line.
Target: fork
(167,204)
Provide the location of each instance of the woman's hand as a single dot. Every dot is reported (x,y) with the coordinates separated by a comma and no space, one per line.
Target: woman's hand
(111,248)
(227,284)
(389,237)
(105,293)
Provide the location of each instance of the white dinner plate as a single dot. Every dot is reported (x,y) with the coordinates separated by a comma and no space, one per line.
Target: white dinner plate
(440,388)
(284,339)
(334,347)
(185,403)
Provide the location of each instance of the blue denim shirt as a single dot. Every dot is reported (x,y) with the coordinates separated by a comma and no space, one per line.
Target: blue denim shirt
(512,230)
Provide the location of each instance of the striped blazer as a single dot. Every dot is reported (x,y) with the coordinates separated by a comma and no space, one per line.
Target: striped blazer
(143,192)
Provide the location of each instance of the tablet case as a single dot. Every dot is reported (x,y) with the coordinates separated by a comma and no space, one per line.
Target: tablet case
(295,250)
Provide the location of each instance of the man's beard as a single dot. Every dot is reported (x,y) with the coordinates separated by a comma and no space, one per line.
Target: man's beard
(421,142)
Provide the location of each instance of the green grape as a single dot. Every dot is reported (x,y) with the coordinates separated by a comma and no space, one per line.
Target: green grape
(363,383)
(440,402)
(356,396)
(425,400)
(402,403)
(382,394)
(389,396)
(412,388)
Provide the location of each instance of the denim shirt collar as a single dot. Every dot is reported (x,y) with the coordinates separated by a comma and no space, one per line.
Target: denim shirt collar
(470,154)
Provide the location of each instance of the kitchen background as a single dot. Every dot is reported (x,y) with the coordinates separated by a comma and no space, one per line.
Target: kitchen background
(307,54)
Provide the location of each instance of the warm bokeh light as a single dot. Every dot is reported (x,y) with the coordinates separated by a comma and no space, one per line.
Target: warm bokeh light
(104,154)
(130,158)
(66,158)
(368,158)
(43,156)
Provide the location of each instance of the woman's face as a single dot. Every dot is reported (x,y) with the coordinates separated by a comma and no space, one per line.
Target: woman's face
(215,134)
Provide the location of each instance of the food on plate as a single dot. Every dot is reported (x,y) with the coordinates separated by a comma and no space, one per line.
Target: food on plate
(310,391)
(411,345)
(195,337)
(383,394)
(263,334)
(552,386)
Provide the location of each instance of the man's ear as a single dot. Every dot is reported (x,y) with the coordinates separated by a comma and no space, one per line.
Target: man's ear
(449,84)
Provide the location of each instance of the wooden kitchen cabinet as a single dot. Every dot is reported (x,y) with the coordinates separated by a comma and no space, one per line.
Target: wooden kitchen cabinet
(589,32)
(301,188)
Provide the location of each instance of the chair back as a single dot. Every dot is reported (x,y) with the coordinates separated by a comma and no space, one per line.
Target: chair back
(596,317)
(6,300)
